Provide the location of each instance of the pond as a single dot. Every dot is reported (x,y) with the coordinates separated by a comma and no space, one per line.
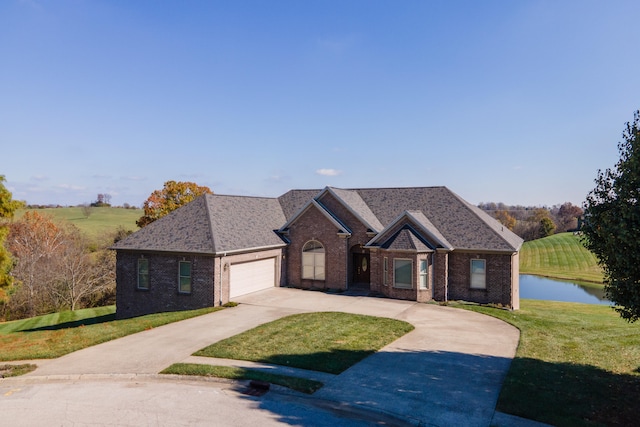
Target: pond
(534,287)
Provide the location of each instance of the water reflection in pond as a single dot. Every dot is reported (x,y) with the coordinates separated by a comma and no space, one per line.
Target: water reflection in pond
(534,287)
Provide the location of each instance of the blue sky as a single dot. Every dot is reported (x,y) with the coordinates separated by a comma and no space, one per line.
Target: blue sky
(518,102)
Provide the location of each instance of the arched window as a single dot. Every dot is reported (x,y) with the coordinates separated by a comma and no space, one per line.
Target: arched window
(313,260)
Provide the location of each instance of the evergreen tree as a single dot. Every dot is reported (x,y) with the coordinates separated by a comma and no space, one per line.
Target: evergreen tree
(612,224)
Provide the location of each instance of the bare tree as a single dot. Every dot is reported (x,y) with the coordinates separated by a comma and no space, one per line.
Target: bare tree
(87,210)
(34,241)
(79,273)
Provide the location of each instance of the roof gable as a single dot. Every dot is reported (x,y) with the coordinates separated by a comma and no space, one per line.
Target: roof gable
(406,239)
(353,202)
(419,225)
(463,225)
(313,203)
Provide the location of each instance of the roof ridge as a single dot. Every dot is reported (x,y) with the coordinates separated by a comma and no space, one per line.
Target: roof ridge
(210,222)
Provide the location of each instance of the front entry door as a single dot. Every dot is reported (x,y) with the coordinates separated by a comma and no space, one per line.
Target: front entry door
(361,270)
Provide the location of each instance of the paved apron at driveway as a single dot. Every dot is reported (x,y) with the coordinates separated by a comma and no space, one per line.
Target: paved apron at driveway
(153,350)
(448,371)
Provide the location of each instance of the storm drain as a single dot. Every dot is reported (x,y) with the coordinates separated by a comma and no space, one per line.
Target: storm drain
(257,388)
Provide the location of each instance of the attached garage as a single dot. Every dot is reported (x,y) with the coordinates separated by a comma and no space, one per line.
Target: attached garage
(252,276)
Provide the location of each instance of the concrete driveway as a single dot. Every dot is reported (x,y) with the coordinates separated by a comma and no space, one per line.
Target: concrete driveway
(448,371)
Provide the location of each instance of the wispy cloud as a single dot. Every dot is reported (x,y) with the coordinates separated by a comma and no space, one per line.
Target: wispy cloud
(134,178)
(71,187)
(339,44)
(39,178)
(328,172)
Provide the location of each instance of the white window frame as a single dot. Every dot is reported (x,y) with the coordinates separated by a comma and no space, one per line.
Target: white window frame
(181,285)
(385,280)
(395,268)
(424,274)
(477,274)
(139,273)
(313,261)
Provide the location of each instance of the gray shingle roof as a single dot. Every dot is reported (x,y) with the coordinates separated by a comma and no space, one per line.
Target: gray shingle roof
(212,224)
(463,225)
(406,239)
(215,224)
(418,220)
(354,202)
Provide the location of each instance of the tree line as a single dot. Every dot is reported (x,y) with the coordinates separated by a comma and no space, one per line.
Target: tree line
(45,266)
(534,222)
(48,265)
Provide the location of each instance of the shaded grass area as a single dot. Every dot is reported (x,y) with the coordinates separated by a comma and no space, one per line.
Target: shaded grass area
(54,335)
(561,256)
(576,365)
(325,341)
(299,384)
(7,371)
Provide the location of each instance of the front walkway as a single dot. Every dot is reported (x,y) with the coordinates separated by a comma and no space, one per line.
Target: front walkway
(448,371)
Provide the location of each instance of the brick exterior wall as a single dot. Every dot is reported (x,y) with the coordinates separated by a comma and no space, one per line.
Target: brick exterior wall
(313,225)
(440,275)
(162,294)
(209,281)
(499,274)
(386,288)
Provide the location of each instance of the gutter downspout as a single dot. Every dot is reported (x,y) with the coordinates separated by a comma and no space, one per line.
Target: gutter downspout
(346,270)
(221,268)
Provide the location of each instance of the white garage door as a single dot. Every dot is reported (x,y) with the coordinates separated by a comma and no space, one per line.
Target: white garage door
(252,276)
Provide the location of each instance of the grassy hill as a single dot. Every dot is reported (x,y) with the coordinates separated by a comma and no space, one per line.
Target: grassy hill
(560,256)
(100,223)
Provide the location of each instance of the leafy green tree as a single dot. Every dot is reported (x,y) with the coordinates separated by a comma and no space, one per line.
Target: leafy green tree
(612,224)
(171,197)
(547,227)
(8,206)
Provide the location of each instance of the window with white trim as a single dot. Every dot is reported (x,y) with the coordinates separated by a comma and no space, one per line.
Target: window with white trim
(424,274)
(478,274)
(143,274)
(385,280)
(403,273)
(313,260)
(184,277)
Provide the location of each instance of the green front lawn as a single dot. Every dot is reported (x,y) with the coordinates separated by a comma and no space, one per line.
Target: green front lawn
(54,335)
(576,364)
(326,342)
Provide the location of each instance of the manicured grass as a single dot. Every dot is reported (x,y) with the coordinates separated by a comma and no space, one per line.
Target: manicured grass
(102,222)
(561,256)
(326,342)
(576,365)
(54,335)
(300,384)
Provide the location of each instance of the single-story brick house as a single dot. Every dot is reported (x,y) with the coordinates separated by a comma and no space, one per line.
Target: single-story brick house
(420,244)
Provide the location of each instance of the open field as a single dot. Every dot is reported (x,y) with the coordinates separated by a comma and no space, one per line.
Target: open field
(100,224)
(54,335)
(560,256)
(576,364)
